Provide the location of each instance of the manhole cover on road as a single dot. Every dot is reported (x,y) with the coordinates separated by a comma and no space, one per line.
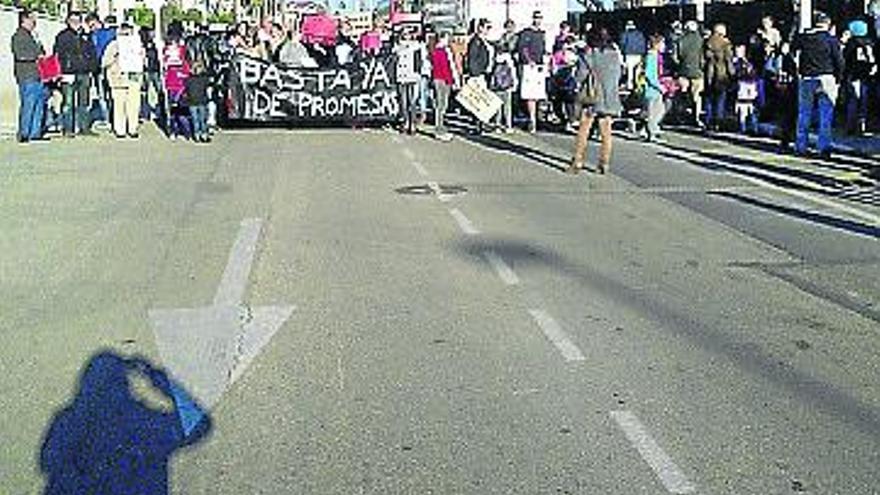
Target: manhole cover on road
(429,189)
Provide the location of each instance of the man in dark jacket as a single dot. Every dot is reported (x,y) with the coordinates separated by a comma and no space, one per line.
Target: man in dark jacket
(25,52)
(479,58)
(531,46)
(633,46)
(76,52)
(690,65)
(719,75)
(820,66)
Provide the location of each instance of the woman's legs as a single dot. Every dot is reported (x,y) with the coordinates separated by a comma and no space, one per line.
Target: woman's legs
(605,148)
(580,142)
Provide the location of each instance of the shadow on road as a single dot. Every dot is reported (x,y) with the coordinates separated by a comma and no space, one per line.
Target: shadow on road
(746,356)
(464,128)
(109,440)
(826,220)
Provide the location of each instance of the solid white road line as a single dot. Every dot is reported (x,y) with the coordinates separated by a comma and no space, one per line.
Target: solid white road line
(437,191)
(408,153)
(238,268)
(671,477)
(463,223)
(556,335)
(420,169)
(505,273)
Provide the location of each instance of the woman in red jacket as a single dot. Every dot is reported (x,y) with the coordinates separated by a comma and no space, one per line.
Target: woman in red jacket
(445,77)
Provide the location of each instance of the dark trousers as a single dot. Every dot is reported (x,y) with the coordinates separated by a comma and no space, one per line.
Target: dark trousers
(810,99)
(716,107)
(32,103)
(408,93)
(76,106)
(153,80)
(199,115)
(857,105)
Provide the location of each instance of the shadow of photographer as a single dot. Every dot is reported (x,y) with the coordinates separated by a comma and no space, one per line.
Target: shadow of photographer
(118,434)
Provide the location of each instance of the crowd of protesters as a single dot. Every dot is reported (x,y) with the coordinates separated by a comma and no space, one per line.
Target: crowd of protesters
(705,79)
(103,75)
(114,76)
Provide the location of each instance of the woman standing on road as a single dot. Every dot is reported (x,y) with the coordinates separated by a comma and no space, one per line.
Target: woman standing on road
(598,66)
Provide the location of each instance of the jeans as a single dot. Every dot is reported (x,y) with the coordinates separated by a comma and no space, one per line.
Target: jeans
(200,120)
(153,81)
(32,101)
(408,93)
(809,96)
(441,104)
(424,94)
(104,98)
(716,108)
(75,111)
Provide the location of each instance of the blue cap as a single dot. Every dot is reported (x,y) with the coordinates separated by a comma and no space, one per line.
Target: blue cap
(858,28)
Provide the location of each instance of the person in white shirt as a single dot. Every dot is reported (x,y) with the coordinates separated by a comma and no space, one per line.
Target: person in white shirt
(409,73)
(123,62)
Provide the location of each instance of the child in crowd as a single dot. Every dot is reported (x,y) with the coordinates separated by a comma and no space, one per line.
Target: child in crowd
(197,99)
(746,91)
(177,70)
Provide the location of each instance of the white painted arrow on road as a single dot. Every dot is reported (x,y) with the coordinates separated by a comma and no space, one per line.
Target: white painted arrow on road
(207,349)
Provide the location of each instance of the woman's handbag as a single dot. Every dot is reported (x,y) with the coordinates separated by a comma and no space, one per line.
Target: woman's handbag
(588,86)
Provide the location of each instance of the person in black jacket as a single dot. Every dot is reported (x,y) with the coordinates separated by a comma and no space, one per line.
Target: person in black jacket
(78,59)
(861,68)
(820,66)
(479,59)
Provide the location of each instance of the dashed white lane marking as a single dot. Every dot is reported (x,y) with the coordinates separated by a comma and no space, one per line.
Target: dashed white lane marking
(463,222)
(505,273)
(874,220)
(409,154)
(420,169)
(557,335)
(438,192)
(671,477)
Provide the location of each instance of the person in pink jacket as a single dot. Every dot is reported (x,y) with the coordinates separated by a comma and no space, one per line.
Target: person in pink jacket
(446,77)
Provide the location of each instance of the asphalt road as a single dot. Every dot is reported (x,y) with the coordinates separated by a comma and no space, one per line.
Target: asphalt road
(678,326)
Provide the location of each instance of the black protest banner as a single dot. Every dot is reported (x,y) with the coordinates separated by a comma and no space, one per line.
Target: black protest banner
(359,92)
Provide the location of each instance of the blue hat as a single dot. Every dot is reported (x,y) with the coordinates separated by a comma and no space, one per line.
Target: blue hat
(858,28)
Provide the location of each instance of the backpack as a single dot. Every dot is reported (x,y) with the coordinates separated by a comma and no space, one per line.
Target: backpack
(502,77)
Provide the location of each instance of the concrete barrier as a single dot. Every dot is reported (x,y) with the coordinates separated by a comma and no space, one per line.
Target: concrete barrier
(46,31)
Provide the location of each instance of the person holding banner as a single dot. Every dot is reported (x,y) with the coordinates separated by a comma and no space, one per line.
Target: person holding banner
(531,47)
(479,60)
(445,76)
